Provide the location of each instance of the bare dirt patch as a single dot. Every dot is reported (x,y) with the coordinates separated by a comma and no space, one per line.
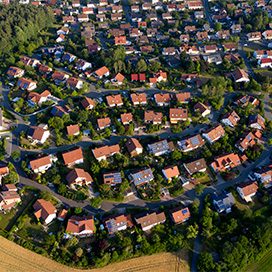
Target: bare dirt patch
(14,258)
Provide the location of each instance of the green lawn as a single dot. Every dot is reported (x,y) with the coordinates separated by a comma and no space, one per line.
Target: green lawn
(203,180)
(32,230)
(263,265)
(7,220)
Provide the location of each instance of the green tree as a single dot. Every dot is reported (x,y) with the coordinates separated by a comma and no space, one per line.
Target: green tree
(192,231)
(205,262)
(141,66)
(79,252)
(217,26)
(56,123)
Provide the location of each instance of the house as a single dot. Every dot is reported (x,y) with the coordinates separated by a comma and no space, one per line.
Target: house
(180,215)
(113,178)
(171,172)
(264,175)
(240,75)
(184,38)
(215,58)
(59,111)
(104,152)
(83,18)
(9,197)
(236,28)
(118,79)
(195,166)
(190,28)
(260,54)
(247,190)
(152,81)
(36,98)
(44,210)
(15,72)
(223,34)
(202,36)
(29,61)
(160,148)
(191,143)
(141,177)
(37,135)
(161,76)
(138,99)
(226,162)
(60,38)
(4,171)
(87,103)
(210,49)
(40,165)
(44,69)
(74,83)
(199,14)
(248,140)
(81,226)
(150,220)
(62,215)
(118,223)
(83,65)
(103,123)
(26,84)
(126,118)
(114,100)
(265,63)
(68,57)
(59,77)
(162,99)
(183,97)
(203,109)
(9,187)
(177,115)
(193,5)
(138,77)
(223,202)
(245,100)
(169,51)
(152,117)
(78,177)
(73,157)
(73,130)
(256,121)
(254,36)
(230,119)
(134,147)
(214,134)
(63,31)
(267,34)
(230,47)
(120,40)
(102,72)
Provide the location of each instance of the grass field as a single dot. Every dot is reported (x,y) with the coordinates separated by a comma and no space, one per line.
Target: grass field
(263,265)
(7,220)
(14,258)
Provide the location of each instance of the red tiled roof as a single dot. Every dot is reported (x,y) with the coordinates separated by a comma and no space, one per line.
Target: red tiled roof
(72,156)
(180,215)
(73,130)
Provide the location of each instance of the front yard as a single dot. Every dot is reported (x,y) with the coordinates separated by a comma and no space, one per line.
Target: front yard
(9,219)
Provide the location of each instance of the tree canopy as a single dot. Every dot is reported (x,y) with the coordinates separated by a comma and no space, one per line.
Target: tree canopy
(21,25)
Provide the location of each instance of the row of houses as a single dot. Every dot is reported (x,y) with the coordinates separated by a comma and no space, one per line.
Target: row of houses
(264,58)
(84,226)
